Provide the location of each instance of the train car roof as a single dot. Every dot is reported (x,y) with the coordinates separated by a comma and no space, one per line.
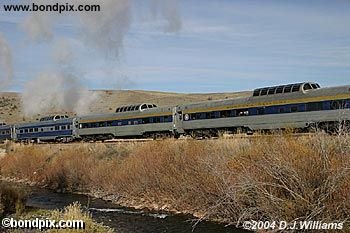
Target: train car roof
(50,122)
(130,114)
(242,102)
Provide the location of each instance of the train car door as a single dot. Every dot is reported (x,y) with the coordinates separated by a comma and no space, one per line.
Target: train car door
(13,132)
(178,120)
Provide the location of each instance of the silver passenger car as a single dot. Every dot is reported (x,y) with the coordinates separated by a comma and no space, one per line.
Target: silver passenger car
(300,106)
(141,120)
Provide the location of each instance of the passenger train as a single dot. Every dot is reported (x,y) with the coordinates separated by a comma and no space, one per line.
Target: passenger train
(301,106)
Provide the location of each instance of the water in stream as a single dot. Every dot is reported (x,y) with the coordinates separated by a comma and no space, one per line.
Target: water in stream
(124,220)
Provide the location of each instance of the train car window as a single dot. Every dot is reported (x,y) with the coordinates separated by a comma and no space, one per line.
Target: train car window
(30,130)
(63,127)
(224,114)
(167,119)
(42,129)
(271,91)
(279,90)
(26,130)
(307,86)
(287,89)
(264,91)
(36,130)
(256,92)
(294,109)
(317,106)
(57,128)
(143,106)
(296,88)
(21,131)
(261,111)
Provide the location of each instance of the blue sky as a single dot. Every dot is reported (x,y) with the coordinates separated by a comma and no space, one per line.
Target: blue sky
(223,46)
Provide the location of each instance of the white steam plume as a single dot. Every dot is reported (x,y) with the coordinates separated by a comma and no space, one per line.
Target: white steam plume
(38,27)
(62,52)
(6,69)
(56,92)
(169,10)
(105,31)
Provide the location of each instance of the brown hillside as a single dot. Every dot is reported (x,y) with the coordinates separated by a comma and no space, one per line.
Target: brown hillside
(11,109)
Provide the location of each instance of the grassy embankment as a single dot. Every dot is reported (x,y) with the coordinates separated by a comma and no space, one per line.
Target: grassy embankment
(231,180)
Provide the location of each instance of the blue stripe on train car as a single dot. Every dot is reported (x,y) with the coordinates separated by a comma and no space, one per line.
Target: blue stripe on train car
(61,133)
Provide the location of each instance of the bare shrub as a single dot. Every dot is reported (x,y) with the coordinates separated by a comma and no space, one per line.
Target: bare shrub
(12,200)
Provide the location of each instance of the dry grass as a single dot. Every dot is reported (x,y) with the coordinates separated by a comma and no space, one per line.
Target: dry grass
(75,212)
(267,178)
(12,200)
(72,212)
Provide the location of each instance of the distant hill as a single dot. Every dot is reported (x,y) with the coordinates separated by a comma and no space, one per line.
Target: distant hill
(11,109)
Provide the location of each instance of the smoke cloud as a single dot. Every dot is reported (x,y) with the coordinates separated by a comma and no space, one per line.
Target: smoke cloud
(105,31)
(6,69)
(38,27)
(56,92)
(62,52)
(169,10)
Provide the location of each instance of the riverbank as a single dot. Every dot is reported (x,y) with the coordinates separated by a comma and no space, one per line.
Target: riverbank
(13,205)
(227,180)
